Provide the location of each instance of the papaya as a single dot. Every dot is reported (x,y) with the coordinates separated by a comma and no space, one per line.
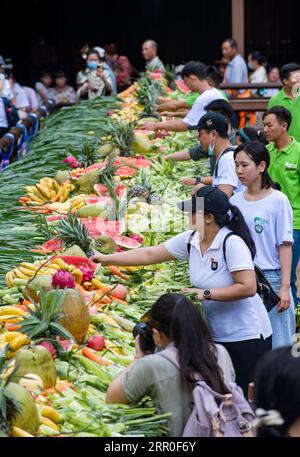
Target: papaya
(141,145)
(27,417)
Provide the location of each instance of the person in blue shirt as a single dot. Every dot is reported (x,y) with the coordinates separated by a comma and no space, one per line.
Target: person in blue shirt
(236,70)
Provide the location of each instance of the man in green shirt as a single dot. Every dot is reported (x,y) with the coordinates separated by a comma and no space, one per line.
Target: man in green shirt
(289,96)
(285,170)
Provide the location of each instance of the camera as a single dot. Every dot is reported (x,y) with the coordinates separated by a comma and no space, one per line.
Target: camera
(146,339)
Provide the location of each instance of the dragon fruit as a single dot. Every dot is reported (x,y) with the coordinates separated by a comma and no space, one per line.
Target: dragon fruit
(50,348)
(88,274)
(63,279)
(72,161)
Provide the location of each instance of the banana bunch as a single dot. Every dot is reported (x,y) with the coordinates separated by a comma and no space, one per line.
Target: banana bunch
(58,264)
(49,417)
(14,341)
(25,271)
(77,203)
(46,191)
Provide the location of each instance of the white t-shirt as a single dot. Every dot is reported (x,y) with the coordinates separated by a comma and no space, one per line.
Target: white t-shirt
(234,321)
(3,118)
(270,221)
(225,166)
(197,111)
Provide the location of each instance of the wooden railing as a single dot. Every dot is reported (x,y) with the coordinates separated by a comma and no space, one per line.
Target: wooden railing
(254,102)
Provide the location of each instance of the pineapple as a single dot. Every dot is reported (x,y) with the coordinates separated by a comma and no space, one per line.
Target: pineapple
(143,190)
(123,136)
(88,154)
(107,173)
(44,320)
(147,94)
(72,231)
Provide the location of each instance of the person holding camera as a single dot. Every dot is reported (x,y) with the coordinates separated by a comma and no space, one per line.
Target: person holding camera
(94,81)
(174,323)
(227,287)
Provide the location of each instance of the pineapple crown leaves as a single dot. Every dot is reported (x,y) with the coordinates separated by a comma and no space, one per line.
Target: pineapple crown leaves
(123,135)
(44,318)
(88,153)
(72,231)
(108,171)
(119,208)
(9,406)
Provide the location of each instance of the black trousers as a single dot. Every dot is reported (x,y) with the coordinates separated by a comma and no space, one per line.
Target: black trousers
(244,356)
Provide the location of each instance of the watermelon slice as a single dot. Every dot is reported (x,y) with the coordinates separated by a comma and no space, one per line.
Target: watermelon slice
(78,261)
(182,86)
(100,189)
(104,199)
(52,246)
(125,172)
(96,226)
(126,242)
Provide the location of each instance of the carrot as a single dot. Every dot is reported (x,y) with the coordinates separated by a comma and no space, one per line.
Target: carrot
(88,353)
(12,328)
(117,272)
(118,300)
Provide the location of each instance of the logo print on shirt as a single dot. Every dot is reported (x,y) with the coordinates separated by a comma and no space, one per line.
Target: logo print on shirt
(214,264)
(259,228)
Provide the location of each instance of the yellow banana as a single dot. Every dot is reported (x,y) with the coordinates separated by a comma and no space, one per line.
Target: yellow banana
(11,310)
(43,190)
(18,342)
(9,336)
(49,423)
(132,269)
(55,186)
(50,271)
(50,413)
(26,271)
(30,189)
(19,274)
(78,275)
(97,284)
(17,432)
(61,264)
(29,266)
(10,318)
(34,198)
(55,266)
(10,275)
(65,194)
(58,194)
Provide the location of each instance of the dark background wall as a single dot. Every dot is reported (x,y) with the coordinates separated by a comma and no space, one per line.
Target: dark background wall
(193,31)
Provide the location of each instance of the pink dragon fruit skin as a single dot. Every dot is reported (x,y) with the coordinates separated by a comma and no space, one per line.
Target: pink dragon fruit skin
(72,161)
(62,280)
(87,273)
(49,348)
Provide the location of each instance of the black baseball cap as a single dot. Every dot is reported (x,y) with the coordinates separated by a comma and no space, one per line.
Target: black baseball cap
(209,199)
(212,121)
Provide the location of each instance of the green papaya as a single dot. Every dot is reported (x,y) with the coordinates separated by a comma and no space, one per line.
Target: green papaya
(27,417)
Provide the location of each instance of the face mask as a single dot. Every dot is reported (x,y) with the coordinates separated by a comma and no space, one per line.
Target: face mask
(211,149)
(92,65)
(250,66)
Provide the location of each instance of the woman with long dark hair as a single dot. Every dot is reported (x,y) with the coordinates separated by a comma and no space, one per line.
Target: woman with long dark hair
(227,287)
(277,393)
(269,217)
(177,324)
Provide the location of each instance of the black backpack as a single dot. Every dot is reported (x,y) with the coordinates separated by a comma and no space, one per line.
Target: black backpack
(11,112)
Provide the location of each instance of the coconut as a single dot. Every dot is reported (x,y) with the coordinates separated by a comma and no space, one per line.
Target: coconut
(75,251)
(62,176)
(36,360)
(27,418)
(76,318)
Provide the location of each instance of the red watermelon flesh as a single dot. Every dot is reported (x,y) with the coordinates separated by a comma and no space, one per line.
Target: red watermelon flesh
(53,218)
(125,242)
(104,199)
(96,226)
(182,86)
(100,189)
(125,172)
(52,246)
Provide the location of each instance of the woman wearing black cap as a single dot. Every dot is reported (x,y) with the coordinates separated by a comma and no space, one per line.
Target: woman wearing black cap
(234,312)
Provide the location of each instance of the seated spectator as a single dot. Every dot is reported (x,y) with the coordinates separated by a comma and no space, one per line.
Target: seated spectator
(9,116)
(62,94)
(5,88)
(120,65)
(94,81)
(277,394)
(256,64)
(107,67)
(32,98)
(273,78)
(43,86)
(20,99)
(248,134)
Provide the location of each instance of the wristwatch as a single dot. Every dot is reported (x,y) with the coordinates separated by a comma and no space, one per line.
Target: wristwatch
(198,180)
(207,294)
